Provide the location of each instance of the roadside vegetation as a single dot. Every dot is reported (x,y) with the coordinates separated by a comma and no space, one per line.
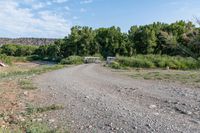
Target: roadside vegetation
(186,77)
(156,61)
(157,40)
(72,60)
(16,90)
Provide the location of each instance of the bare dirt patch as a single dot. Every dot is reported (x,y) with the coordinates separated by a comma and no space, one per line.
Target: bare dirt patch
(17,93)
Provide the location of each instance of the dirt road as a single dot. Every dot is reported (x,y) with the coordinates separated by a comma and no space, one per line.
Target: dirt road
(99,100)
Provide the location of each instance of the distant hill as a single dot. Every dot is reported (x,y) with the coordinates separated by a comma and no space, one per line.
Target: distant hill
(27,41)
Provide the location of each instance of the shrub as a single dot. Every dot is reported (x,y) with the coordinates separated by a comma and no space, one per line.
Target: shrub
(159,61)
(5,59)
(18,50)
(115,65)
(72,60)
(9,49)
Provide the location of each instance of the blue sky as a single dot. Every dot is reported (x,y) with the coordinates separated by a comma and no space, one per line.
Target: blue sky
(54,18)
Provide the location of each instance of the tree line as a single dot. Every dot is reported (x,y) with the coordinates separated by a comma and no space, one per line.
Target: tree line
(179,38)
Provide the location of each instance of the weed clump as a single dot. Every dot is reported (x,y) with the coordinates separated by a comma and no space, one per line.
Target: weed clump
(159,61)
(72,60)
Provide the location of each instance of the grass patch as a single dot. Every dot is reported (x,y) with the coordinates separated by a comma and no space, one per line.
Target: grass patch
(33,71)
(72,60)
(5,59)
(189,77)
(36,127)
(115,65)
(7,130)
(33,127)
(26,84)
(53,107)
(39,127)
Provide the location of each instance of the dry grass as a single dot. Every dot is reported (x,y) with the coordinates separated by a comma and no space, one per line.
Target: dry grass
(189,77)
(16,90)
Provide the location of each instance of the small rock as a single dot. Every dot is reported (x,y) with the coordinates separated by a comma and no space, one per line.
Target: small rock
(152,106)
(119,90)
(134,127)
(196,113)
(183,111)
(109,125)
(21,118)
(39,119)
(147,125)
(51,120)
(90,126)
(133,89)
(188,112)
(124,108)
(176,102)
(184,104)
(87,97)
(81,128)
(184,95)
(117,128)
(156,114)
(55,127)
(2,64)
(26,93)
(3,126)
(167,101)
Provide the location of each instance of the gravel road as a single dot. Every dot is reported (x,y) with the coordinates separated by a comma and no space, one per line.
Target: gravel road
(97,100)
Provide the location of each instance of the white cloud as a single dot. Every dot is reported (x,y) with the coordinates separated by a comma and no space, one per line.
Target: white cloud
(22,22)
(75,17)
(86,1)
(67,8)
(60,1)
(38,6)
(49,3)
(83,10)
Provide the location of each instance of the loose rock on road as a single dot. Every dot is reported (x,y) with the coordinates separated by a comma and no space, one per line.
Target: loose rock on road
(98,100)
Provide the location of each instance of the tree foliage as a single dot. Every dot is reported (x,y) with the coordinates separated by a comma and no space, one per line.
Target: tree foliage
(158,38)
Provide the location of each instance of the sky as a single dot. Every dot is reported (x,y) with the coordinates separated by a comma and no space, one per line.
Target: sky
(54,18)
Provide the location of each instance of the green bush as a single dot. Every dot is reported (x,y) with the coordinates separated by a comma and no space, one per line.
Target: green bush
(72,60)
(5,59)
(159,61)
(18,50)
(115,65)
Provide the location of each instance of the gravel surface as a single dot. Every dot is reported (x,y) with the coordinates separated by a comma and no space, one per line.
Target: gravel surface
(98,100)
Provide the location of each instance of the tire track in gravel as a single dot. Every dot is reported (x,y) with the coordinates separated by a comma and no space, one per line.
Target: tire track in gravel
(98,100)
